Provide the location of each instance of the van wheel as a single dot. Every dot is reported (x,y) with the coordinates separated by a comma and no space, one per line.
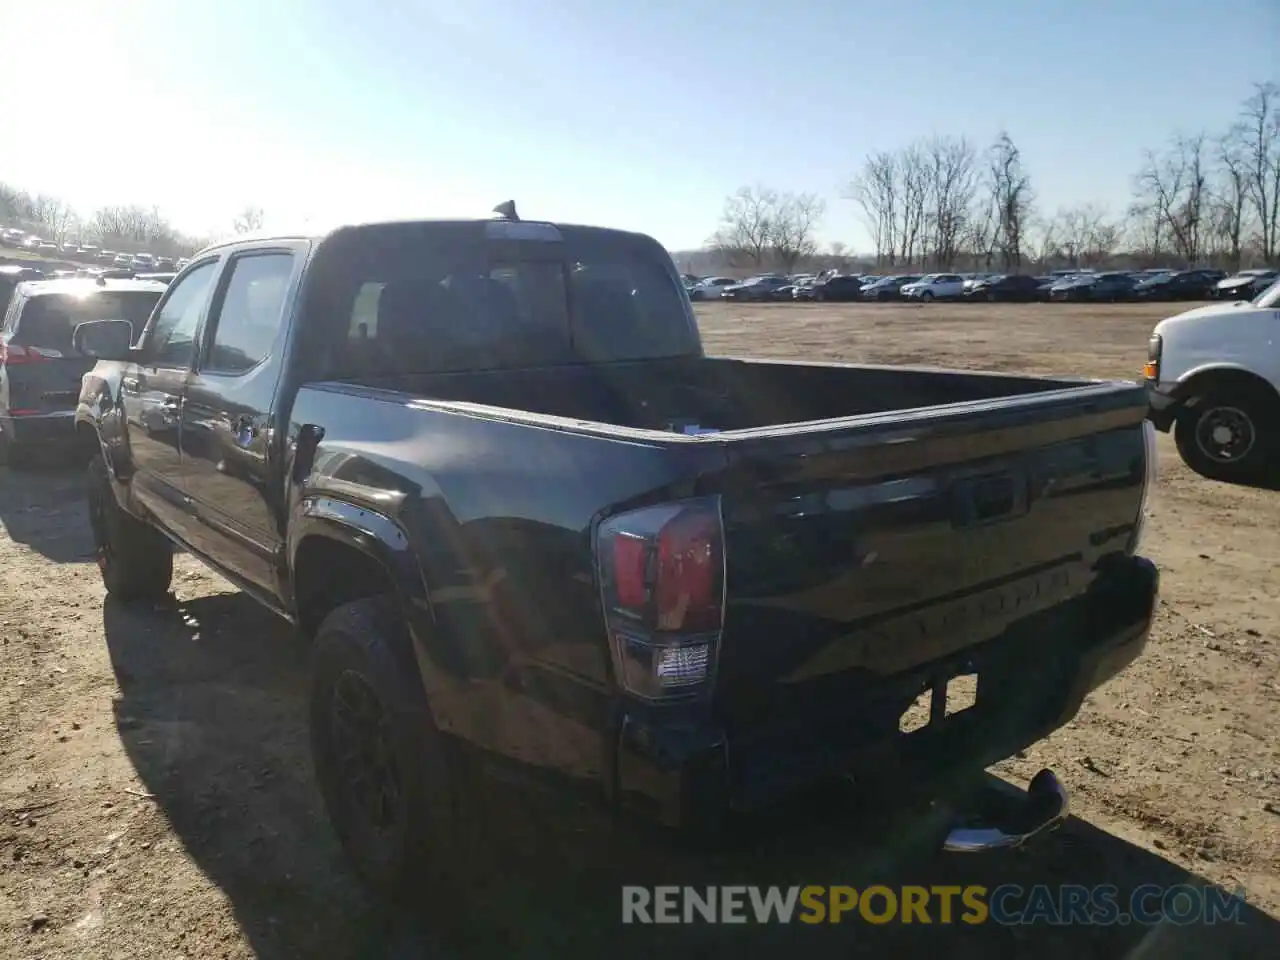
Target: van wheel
(136,560)
(1227,436)
(386,773)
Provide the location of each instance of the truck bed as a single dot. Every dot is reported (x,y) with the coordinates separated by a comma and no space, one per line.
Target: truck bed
(883,528)
(716,393)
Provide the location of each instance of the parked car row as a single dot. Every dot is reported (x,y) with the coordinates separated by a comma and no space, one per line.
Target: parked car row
(1063,286)
(88,252)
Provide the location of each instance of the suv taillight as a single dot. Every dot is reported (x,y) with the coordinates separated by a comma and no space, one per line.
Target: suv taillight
(12,355)
(662,589)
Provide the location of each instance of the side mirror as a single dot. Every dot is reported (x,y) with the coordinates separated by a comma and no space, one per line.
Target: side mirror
(104,339)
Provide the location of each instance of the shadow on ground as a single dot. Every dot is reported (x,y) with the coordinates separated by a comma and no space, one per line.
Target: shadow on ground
(212,717)
(43,507)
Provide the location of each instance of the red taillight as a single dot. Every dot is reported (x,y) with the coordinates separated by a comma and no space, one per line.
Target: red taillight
(13,355)
(662,588)
(687,591)
(630,557)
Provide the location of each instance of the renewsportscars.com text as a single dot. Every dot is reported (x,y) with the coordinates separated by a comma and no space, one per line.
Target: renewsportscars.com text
(1008,904)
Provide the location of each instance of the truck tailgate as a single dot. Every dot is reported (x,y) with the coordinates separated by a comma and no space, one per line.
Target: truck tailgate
(871,548)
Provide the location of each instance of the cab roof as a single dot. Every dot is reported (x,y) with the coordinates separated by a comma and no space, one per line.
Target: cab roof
(491,227)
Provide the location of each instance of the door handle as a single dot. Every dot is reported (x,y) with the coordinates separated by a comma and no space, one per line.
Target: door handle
(245,429)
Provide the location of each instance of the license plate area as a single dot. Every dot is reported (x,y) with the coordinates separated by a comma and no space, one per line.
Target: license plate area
(942,698)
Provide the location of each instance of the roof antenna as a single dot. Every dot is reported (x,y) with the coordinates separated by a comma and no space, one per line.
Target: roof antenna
(507,210)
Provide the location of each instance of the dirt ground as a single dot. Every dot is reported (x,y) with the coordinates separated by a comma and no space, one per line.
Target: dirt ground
(156,797)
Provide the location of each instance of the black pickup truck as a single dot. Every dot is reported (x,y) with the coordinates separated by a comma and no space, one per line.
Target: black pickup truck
(488,469)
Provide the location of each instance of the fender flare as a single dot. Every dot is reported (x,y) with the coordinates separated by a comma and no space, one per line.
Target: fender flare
(374,534)
(383,540)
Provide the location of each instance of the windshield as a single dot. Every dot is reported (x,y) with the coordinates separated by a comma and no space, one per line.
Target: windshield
(48,321)
(1269,297)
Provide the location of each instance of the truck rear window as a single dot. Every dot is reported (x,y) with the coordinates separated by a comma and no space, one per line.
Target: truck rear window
(48,321)
(507,305)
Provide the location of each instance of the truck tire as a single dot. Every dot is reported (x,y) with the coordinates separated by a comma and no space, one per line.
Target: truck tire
(1228,436)
(136,560)
(386,773)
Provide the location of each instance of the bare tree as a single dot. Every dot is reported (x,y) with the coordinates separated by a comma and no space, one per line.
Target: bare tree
(123,226)
(1041,234)
(15,204)
(1172,187)
(53,217)
(952,182)
(1230,195)
(794,222)
(1102,235)
(1146,230)
(1011,197)
(913,209)
(746,226)
(980,232)
(1071,228)
(249,220)
(133,227)
(1260,137)
(875,189)
(760,223)
(110,225)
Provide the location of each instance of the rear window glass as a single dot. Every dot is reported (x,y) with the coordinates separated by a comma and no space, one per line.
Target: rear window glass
(48,321)
(511,314)
(421,306)
(626,309)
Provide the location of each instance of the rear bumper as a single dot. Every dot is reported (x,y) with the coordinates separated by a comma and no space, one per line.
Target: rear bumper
(688,771)
(48,429)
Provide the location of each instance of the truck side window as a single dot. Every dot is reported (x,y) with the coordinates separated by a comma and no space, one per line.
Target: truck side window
(250,315)
(171,340)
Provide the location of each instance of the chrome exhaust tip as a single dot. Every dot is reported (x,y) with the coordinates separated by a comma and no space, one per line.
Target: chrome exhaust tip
(1044,806)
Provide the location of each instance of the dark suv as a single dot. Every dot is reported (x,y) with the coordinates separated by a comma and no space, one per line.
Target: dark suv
(40,370)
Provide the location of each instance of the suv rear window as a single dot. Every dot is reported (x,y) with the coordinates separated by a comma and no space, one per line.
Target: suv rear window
(49,320)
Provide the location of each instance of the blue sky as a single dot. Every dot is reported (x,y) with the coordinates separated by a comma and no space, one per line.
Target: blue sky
(641,115)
